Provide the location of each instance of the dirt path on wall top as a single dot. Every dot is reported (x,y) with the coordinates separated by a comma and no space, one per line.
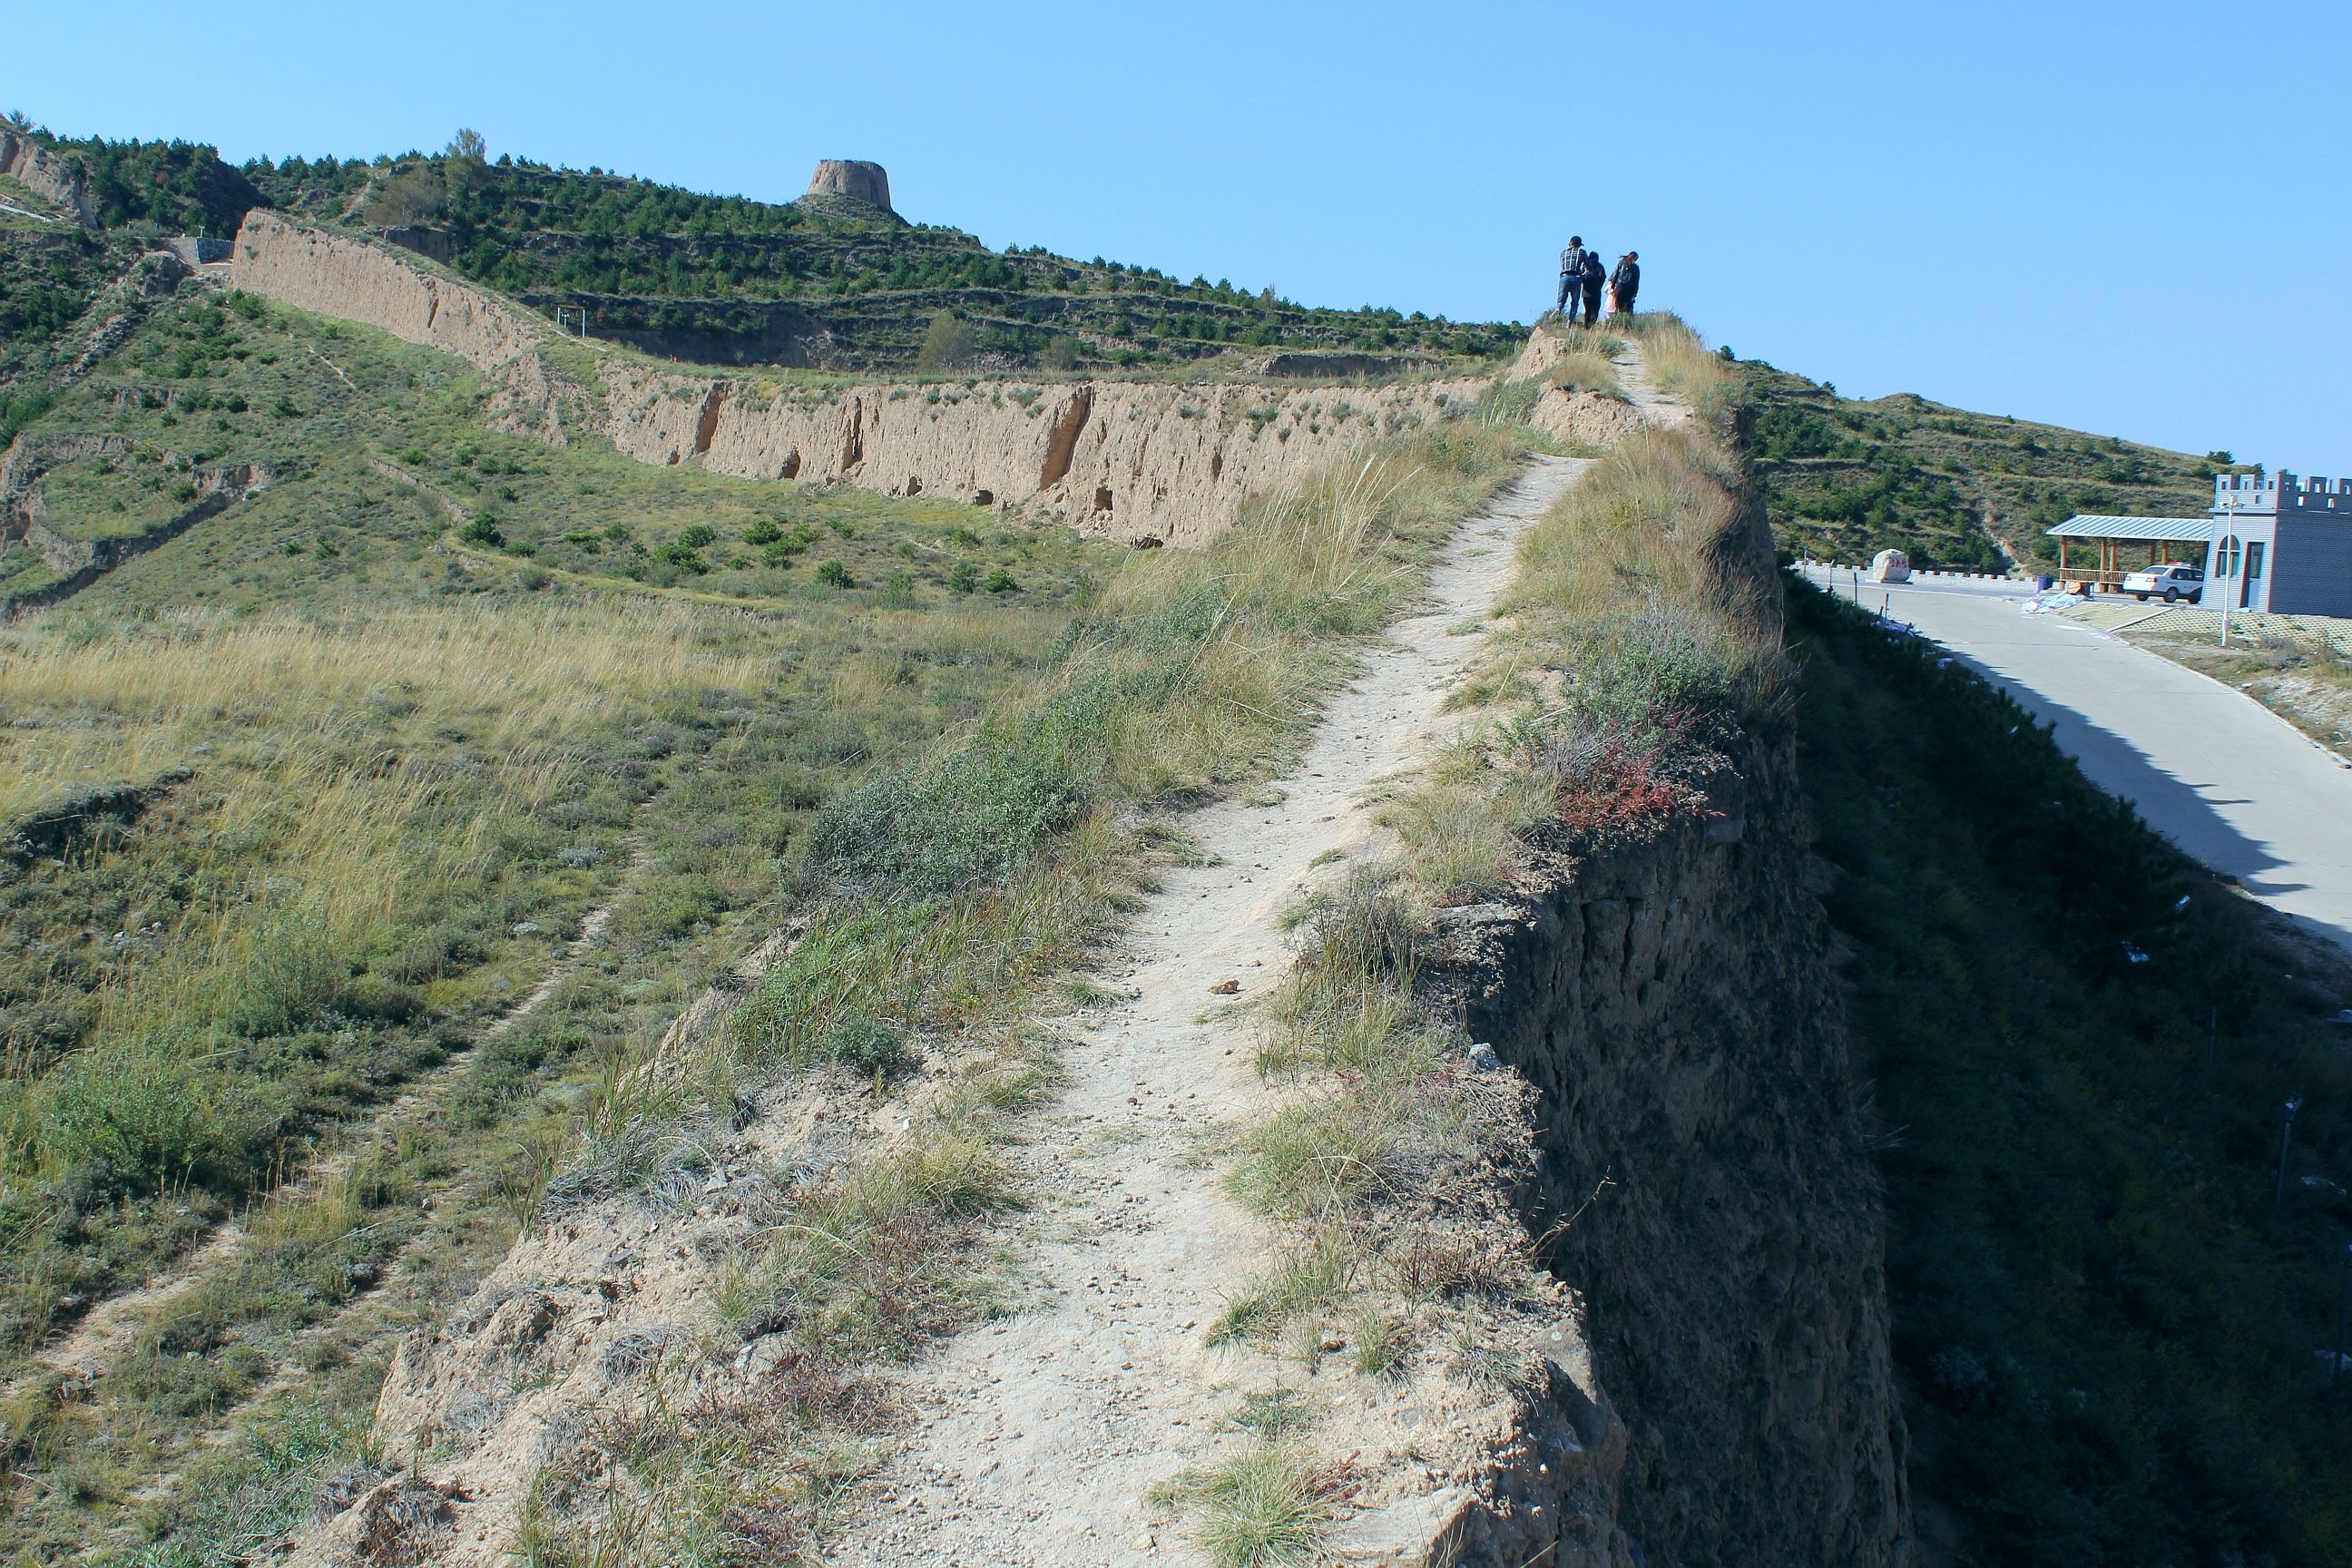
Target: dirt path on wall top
(1040,1435)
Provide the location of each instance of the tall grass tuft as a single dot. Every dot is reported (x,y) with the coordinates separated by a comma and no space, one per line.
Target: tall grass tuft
(1587,367)
(1683,366)
(1633,639)
(1266,1507)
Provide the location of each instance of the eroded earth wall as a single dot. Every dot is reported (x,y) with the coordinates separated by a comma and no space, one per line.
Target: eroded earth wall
(355,280)
(47,176)
(1707,1188)
(1131,459)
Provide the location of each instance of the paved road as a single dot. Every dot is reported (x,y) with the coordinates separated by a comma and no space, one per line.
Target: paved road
(2210,768)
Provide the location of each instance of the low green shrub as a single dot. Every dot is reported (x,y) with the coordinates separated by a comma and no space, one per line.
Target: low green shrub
(973,814)
(145,1118)
(866,1045)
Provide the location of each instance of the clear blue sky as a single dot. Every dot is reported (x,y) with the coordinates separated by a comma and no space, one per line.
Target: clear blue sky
(2131,217)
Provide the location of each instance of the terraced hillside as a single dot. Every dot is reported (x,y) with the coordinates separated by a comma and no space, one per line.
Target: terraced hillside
(1845,478)
(826,282)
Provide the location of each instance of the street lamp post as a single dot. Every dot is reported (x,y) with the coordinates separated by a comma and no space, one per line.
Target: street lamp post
(2286,1131)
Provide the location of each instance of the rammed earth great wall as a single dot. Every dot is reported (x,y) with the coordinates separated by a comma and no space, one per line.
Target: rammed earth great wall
(1127,460)
(1707,1187)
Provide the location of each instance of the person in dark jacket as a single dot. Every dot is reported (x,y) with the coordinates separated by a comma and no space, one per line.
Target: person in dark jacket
(1595,274)
(1626,281)
(1571,276)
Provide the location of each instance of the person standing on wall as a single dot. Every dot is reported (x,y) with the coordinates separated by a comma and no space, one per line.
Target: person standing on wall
(1625,282)
(1571,274)
(1595,274)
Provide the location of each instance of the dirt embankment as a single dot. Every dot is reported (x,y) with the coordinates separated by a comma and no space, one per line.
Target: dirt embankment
(1671,998)
(1131,459)
(1579,418)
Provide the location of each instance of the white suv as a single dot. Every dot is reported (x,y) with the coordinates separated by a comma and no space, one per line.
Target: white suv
(2172,581)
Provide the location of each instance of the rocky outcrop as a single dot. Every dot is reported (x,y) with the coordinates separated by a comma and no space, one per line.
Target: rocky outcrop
(1131,459)
(852,177)
(47,176)
(339,275)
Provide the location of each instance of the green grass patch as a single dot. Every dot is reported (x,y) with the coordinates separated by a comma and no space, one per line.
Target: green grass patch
(1270,1506)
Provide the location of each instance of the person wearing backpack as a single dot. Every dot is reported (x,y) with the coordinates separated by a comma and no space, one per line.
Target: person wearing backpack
(1595,274)
(1625,282)
(1572,273)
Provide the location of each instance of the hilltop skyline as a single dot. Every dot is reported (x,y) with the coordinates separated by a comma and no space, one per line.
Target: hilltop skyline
(1993,212)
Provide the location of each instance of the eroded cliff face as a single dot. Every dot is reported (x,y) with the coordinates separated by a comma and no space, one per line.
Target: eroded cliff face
(1129,460)
(1707,1188)
(1702,1141)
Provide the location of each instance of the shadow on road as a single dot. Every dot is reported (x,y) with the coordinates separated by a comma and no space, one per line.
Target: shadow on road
(2172,805)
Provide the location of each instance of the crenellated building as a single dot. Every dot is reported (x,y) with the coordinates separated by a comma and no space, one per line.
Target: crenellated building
(2282,542)
(2278,542)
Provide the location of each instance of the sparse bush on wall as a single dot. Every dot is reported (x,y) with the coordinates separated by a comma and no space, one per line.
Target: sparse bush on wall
(948,342)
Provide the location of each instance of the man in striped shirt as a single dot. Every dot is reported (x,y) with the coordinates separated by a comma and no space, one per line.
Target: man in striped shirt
(1572,277)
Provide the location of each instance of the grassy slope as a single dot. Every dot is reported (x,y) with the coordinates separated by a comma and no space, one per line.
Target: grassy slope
(414,768)
(1845,478)
(2106,1332)
(420,751)
(215,381)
